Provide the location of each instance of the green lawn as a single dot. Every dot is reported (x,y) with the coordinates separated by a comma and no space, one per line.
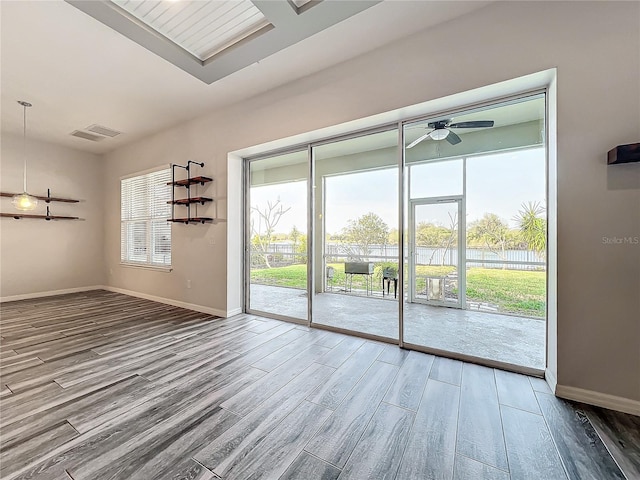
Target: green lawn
(513,291)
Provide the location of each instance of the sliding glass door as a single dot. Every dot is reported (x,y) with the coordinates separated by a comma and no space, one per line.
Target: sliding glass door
(476,232)
(276,233)
(460,267)
(355,254)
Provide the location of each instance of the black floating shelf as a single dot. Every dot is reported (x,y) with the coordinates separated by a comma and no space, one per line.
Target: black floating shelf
(188,201)
(191,181)
(46,199)
(194,220)
(18,216)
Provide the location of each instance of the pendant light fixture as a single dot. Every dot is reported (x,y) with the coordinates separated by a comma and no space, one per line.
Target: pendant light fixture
(24,201)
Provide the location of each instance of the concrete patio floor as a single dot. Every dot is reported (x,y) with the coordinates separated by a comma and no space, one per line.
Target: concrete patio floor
(519,341)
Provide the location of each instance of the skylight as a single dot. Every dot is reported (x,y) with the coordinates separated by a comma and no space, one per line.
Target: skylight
(201,27)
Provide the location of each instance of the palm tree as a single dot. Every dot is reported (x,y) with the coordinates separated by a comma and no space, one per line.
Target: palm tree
(533,226)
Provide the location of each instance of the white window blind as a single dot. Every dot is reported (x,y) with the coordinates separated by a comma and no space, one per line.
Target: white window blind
(145,233)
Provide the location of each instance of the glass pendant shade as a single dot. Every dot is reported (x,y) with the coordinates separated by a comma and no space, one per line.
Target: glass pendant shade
(439,134)
(24,202)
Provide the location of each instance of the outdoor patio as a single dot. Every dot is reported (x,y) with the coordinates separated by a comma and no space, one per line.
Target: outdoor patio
(510,339)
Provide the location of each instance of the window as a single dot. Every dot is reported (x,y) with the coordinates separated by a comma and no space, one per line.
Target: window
(144,209)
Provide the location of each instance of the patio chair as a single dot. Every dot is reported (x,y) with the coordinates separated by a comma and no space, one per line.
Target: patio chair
(390,274)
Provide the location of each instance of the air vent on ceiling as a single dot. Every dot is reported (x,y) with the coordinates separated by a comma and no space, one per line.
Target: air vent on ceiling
(107,132)
(87,136)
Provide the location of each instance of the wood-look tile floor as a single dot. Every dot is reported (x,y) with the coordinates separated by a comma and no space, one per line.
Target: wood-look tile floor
(99,385)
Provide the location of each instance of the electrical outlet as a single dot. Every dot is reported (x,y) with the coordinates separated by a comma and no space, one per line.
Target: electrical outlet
(188,283)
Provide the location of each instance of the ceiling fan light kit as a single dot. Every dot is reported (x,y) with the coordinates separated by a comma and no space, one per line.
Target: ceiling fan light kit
(24,201)
(439,134)
(441,130)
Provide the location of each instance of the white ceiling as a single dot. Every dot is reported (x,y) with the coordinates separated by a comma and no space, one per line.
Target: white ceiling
(79,72)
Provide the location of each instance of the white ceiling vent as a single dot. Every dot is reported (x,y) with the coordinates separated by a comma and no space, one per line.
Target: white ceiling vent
(107,132)
(87,136)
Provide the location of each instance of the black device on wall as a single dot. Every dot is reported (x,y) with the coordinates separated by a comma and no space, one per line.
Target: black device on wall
(624,154)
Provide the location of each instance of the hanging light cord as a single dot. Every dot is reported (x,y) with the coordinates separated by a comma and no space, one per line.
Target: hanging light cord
(24,145)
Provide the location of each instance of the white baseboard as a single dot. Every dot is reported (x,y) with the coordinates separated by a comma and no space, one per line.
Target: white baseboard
(604,400)
(169,301)
(235,311)
(50,293)
(551,379)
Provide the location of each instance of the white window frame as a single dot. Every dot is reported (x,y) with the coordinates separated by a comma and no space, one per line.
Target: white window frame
(154,214)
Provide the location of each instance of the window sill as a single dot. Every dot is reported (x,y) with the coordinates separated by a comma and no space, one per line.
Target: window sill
(143,266)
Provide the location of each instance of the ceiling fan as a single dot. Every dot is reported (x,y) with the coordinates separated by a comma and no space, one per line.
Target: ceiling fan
(441,130)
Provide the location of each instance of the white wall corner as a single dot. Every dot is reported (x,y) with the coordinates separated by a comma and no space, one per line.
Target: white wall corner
(598,399)
(551,379)
(235,237)
(50,293)
(235,311)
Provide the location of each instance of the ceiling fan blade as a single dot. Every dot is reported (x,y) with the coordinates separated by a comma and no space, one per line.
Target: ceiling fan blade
(418,140)
(475,124)
(452,138)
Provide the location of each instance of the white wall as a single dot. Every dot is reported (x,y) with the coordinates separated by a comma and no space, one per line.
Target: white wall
(596,49)
(41,256)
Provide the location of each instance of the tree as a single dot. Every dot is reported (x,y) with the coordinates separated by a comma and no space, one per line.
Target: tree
(367,230)
(533,227)
(431,235)
(294,235)
(453,233)
(267,220)
(393,237)
(493,233)
(436,237)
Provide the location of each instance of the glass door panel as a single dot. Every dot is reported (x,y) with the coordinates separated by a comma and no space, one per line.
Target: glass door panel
(435,259)
(355,246)
(277,235)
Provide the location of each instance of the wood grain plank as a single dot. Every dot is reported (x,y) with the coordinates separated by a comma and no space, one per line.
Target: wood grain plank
(250,398)
(270,457)
(406,390)
(431,448)
(5,392)
(339,435)
(149,399)
(17,366)
(149,427)
(379,450)
(620,432)
(514,390)
(540,385)
(329,339)
(480,434)
(14,457)
(163,456)
(582,452)
(446,370)
(468,469)
(530,448)
(284,354)
(226,448)
(331,393)
(243,346)
(393,354)
(308,467)
(341,352)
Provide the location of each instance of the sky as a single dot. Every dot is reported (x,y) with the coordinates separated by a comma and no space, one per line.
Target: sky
(497,183)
